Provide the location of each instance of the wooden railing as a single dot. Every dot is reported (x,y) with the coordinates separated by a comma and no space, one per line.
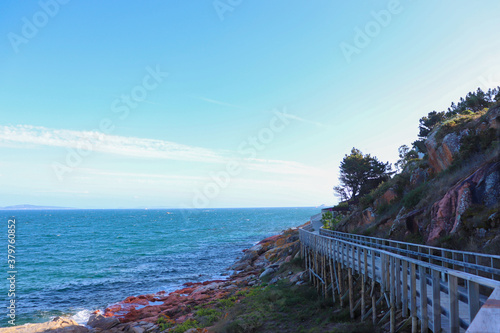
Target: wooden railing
(485,265)
(434,288)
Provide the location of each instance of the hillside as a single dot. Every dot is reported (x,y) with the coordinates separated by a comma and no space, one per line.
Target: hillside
(449,196)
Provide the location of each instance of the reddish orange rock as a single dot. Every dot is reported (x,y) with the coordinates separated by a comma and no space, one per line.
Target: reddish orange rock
(185,291)
(270,239)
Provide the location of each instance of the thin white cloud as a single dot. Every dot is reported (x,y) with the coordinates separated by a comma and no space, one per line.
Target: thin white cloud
(64,191)
(27,136)
(213,101)
(105,143)
(139,175)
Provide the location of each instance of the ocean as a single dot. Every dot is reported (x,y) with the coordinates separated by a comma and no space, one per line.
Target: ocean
(72,262)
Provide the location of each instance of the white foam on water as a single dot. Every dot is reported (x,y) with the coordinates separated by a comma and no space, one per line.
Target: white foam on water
(82,317)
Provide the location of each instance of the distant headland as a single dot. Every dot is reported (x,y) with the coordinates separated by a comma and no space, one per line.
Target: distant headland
(32,207)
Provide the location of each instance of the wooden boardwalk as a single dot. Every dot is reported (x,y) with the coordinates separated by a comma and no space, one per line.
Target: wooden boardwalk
(437,293)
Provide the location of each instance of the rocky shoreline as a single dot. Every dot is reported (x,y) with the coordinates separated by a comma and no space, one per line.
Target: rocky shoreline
(163,312)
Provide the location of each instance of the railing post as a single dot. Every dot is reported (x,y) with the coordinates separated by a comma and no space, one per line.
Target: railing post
(382,273)
(341,285)
(342,257)
(473,293)
(351,302)
(306,261)
(392,271)
(359,259)
(397,276)
(413,300)
(325,274)
(436,301)
(405,289)
(424,323)
(387,272)
(453,307)
(333,278)
(363,282)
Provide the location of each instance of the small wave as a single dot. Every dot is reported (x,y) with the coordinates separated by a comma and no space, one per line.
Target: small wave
(82,317)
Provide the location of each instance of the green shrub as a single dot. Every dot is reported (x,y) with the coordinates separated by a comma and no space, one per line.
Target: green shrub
(164,322)
(326,219)
(366,200)
(383,208)
(401,182)
(188,324)
(208,316)
(343,204)
(227,303)
(413,197)
(250,322)
(476,143)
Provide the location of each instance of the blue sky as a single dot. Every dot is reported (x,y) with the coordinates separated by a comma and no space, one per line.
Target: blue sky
(222,103)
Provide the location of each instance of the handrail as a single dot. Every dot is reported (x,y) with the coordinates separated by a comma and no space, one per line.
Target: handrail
(347,250)
(445,256)
(463,275)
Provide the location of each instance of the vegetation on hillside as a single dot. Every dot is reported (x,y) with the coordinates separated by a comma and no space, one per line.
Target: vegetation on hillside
(284,307)
(473,103)
(411,195)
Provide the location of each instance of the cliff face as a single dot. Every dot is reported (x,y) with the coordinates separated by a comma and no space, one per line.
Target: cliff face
(454,191)
(442,151)
(441,154)
(481,188)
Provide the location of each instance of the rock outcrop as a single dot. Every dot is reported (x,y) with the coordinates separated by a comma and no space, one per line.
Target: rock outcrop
(482,187)
(385,198)
(441,154)
(357,219)
(57,325)
(262,261)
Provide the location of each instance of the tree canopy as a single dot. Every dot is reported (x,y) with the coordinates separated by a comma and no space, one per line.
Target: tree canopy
(405,156)
(360,173)
(473,102)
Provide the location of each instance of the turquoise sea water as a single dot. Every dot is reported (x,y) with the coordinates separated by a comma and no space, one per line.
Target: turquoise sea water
(71,262)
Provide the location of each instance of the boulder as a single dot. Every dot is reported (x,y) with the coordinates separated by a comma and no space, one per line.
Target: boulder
(101,322)
(267,272)
(249,256)
(240,266)
(257,248)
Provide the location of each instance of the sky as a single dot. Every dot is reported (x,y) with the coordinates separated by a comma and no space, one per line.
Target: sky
(230,103)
